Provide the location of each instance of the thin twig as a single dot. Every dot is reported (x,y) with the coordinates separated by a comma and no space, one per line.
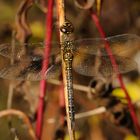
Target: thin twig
(90,113)
(10,95)
(11,86)
(75,86)
(93,112)
(61,19)
(20,114)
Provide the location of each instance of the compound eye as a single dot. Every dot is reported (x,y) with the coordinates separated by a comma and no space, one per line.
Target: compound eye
(67,27)
(63,30)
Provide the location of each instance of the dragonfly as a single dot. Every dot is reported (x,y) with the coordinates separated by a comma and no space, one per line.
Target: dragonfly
(87,57)
(86,52)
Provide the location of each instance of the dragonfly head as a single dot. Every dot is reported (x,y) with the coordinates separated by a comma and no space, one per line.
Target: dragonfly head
(67,27)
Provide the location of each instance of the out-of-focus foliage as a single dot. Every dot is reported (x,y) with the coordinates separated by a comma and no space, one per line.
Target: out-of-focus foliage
(37,30)
(7,12)
(134,92)
(131,137)
(77,136)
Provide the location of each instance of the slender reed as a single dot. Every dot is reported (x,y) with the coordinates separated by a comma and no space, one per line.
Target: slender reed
(48,39)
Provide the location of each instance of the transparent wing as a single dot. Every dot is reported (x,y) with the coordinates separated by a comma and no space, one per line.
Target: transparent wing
(18,49)
(85,59)
(29,69)
(92,65)
(54,71)
(20,72)
(123,45)
(28,60)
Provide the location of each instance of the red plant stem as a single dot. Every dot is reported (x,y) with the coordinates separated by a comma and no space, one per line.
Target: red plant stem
(45,64)
(115,67)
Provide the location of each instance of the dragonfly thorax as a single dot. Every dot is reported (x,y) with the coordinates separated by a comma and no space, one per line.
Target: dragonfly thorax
(68,56)
(68,46)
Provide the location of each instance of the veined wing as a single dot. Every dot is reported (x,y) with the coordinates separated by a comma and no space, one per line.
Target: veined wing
(30,69)
(123,45)
(93,65)
(86,52)
(27,66)
(16,50)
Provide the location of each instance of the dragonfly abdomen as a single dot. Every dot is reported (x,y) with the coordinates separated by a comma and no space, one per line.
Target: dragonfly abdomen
(70,91)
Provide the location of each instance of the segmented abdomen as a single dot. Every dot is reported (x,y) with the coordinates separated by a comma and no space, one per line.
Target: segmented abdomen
(70,91)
